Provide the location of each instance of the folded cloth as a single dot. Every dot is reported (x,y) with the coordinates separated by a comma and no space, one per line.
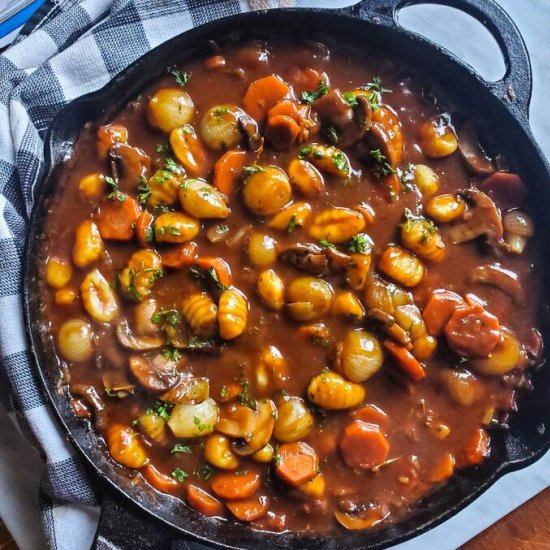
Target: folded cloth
(69,48)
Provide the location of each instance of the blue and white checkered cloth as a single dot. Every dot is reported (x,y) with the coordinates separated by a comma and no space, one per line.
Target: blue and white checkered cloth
(69,48)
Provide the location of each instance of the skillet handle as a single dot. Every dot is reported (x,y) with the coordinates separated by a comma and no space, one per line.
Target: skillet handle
(514,88)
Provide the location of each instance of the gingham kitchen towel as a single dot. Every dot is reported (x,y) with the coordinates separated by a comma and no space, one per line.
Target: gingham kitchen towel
(68,49)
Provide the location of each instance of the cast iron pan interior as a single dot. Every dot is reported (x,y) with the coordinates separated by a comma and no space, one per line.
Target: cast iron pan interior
(370,24)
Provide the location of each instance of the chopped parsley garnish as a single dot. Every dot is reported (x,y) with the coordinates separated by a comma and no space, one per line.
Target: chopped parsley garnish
(171,353)
(181,78)
(162,409)
(324,243)
(196,343)
(204,470)
(382,167)
(215,278)
(188,129)
(361,243)
(305,151)
(172,166)
(291,226)
(180,448)
(222,228)
(180,475)
(168,230)
(253,169)
(133,292)
(310,97)
(244,397)
(376,85)
(144,191)
(169,316)
(220,111)
(417,224)
(161,148)
(341,162)
(277,458)
(224,392)
(350,98)
(200,426)
(113,190)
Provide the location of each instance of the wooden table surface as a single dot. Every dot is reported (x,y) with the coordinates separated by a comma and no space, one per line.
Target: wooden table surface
(526,528)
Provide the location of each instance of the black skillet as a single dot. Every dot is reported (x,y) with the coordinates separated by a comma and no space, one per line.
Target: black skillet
(135,516)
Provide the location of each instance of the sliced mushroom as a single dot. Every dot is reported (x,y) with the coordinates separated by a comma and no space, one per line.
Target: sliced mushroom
(390,327)
(188,389)
(264,421)
(90,395)
(471,150)
(505,188)
(504,279)
(133,161)
(333,108)
(315,260)
(481,219)
(250,129)
(156,374)
(362,118)
(136,343)
(116,383)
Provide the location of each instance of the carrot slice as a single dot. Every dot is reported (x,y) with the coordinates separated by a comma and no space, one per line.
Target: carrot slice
(373,415)
(262,94)
(472,331)
(228,169)
(406,361)
(116,220)
(222,269)
(160,481)
(286,107)
(363,445)
(204,502)
(250,509)
(439,309)
(444,470)
(296,463)
(144,228)
(179,256)
(281,131)
(477,448)
(231,486)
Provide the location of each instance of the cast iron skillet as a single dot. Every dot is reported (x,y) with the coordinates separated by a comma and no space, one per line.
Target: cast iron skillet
(135,516)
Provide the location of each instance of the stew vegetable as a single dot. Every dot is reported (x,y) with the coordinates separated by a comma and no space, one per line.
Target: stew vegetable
(291,287)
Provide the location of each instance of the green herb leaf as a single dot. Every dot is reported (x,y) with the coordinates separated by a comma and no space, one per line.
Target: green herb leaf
(305,151)
(341,162)
(162,409)
(360,243)
(113,191)
(171,353)
(350,98)
(277,458)
(204,470)
(214,277)
(161,148)
(196,343)
(144,191)
(224,392)
(382,167)
(324,243)
(170,316)
(310,97)
(180,448)
(200,426)
(172,166)
(291,224)
(244,397)
(168,230)
(179,475)
(181,78)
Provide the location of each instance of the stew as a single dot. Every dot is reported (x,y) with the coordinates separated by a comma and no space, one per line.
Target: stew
(291,287)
